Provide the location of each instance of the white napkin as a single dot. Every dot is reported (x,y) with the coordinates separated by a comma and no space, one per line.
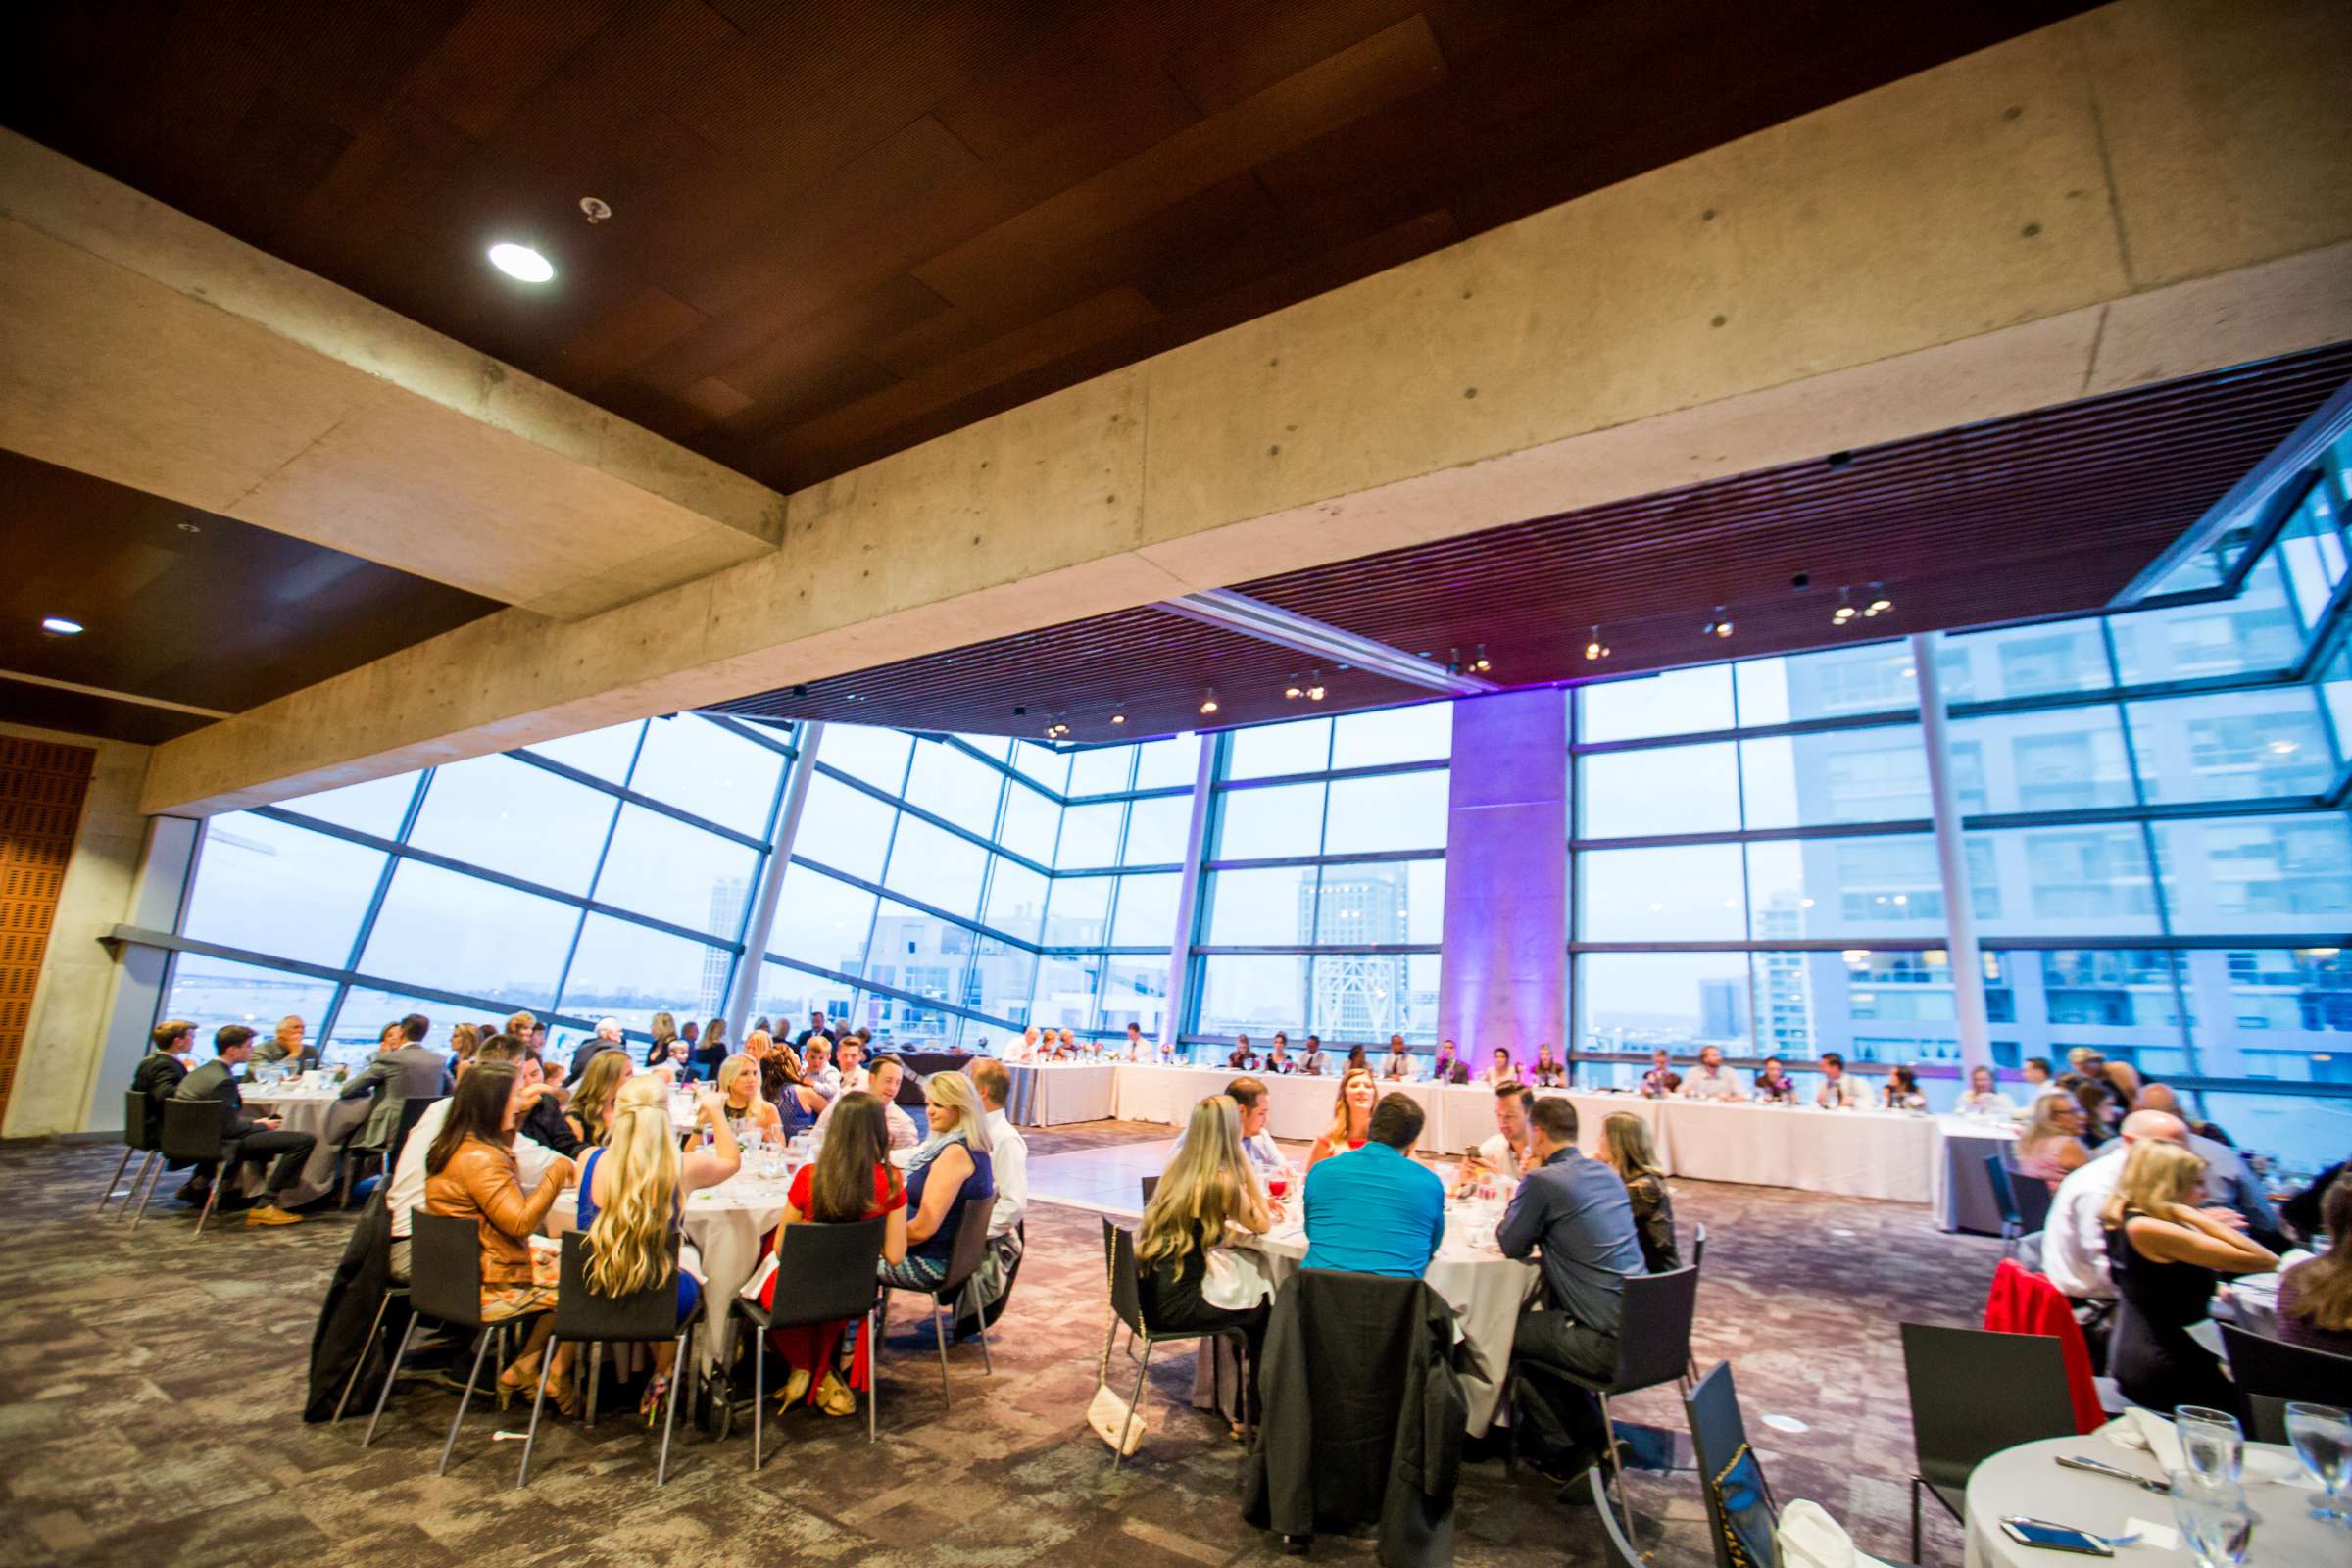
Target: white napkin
(1808,1537)
(2150,1434)
(2160,1538)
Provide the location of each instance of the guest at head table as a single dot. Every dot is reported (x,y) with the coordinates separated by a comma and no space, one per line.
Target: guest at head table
(2165,1257)
(1984,1097)
(710,1052)
(1065,1049)
(285,1046)
(1774,1085)
(1710,1079)
(1448,1066)
(882,1081)
(1627,1149)
(1350,1116)
(1504,1152)
(1661,1080)
(2315,1296)
(853,1179)
(1400,1063)
(1548,1072)
(1188,1280)
(1358,1058)
(1312,1061)
(946,1170)
(1376,1209)
(1278,1054)
(589,1113)
(1577,1213)
(1499,1069)
(745,1110)
(1902,1091)
(1240,1058)
(1135,1047)
(158,1077)
(1026,1048)
(1840,1090)
(246,1139)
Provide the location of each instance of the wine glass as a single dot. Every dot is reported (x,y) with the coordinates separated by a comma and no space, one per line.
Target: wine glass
(2214,1521)
(2212,1443)
(2323,1437)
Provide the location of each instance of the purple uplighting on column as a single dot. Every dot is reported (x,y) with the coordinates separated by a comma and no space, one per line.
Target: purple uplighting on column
(1503,978)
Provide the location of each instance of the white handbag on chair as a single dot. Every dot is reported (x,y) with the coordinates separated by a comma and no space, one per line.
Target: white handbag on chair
(1113,1419)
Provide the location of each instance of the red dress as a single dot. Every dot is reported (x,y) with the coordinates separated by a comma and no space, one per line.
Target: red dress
(810,1347)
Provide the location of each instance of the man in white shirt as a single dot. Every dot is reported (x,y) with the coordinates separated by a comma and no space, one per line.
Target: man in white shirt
(850,1055)
(531,1157)
(1840,1090)
(1399,1064)
(882,1082)
(1711,1079)
(2073,1242)
(1265,1156)
(1025,1049)
(1505,1153)
(1008,1154)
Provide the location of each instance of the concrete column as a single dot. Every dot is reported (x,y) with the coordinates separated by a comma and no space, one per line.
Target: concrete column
(1502,977)
(762,924)
(166,866)
(1951,860)
(1187,894)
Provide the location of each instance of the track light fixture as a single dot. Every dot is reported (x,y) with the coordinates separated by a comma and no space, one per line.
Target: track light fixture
(1845,611)
(1292,689)
(1597,649)
(1879,604)
(1118,718)
(1314,687)
(1209,703)
(1479,663)
(1719,625)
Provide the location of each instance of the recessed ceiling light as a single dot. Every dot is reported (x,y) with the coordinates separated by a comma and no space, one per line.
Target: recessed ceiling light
(59,626)
(191,528)
(522,262)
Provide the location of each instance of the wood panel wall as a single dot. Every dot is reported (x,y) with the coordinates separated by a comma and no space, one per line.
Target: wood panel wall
(42,785)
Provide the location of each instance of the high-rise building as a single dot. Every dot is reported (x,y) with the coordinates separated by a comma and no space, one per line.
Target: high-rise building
(1723,1012)
(1358,996)
(727,896)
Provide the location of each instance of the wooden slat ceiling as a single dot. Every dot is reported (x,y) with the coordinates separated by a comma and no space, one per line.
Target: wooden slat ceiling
(845,226)
(2043,514)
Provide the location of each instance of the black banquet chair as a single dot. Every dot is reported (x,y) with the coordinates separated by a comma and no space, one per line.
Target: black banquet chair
(963,1261)
(445,1284)
(2004,1199)
(642,1318)
(825,1274)
(2260,1364)
(138,1138)
(1972,1395)
(1127,1307)
(192,1136)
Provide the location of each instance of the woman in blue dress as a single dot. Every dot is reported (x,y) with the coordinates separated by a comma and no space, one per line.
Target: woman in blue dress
(943,1172)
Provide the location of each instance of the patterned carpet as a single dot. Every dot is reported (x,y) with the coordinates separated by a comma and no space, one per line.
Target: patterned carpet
(149,1390)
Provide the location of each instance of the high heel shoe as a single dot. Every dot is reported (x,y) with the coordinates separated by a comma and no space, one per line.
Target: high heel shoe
(515,1380)
(795,1386)
(566,1394)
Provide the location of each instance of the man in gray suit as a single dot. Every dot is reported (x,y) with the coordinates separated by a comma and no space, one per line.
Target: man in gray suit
(403,1070)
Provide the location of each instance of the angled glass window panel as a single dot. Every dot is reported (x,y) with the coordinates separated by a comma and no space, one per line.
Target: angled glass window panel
(2335,690)
(1102,769)
(2064,881)
(786,995)
(695,766)
(1675,702)
(999,747)
(1882,987)
(1161,764)
(1845,775)
(1146,912)
(281,890)
(844,828)
(1360,905)
(2057,760)
(2280,1014)
(510,816)
(1387,812)
(1078,911)
(1984,666)
(1263,823)
(1016,901)
(2311,552)
(2255,632)
(920,954)
(629,972)
(1268,750)
(1269,908)
(376,807)
(1030,824)
(955,785)
(2104,988)
(214,992)
(936,867)
(1422,732)
(658,865)
(1156,829)
(1674,789)
(2232,746)
(876,757)
(821,921)
(1826,889)
(1254,994)
(1063,994)
(604,754)
(1369,995)
(460,933)
(1875,678)
(361,1024)
(2301,1132)
(2285,874)
(1135,991)
(1687,893)
(1425,901)
(1044,764)
(1089,836)
(997,984)
(1640,1002)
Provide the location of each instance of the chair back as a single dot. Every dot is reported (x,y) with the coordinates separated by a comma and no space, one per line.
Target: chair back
(138,1121)
(1126,1296)
(1151,1184)
(2269,1423)
(1653,1333)
(412,1111)
(825,1272)
(2260,1364)
(2032,1195)
(1975,1394)
(445,1269)
(1717,1434)
(2004,1196)
(971,1245)
(1359,1335)
(1698,1244)
(191,1129)
(581,1313)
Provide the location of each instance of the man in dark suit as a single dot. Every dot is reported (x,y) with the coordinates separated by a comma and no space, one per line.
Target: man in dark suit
(403,1070)
(158,1077)
(253,1139)
(816,1026)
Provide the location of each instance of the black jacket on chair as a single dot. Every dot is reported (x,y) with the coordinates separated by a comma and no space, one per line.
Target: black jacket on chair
(1364,1414)
(352,1295)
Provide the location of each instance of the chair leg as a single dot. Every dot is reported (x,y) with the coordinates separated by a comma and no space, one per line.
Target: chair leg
(375,1325)
(1609,1442)
(677,1381)
(108,1191)
(759,1394)
(391,1371)
(481,1344)
(154,1178)
(873,1370)
(547,1358)
(1510,1437)
(1119,1455)
(939,1329)
(988,1362)
(595,1367)
(211,1196)
(1915,1518)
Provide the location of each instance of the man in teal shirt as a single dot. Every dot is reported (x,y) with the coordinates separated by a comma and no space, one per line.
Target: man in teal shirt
(1375,1211)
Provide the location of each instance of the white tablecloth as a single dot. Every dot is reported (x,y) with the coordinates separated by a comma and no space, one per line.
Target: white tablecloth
(1297,1107)
(1958,1188)
(321,1114)
(1047,1094)
(2026,1480)
(727,1224)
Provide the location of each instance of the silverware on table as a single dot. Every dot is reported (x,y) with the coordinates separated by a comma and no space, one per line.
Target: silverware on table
(2115,1472)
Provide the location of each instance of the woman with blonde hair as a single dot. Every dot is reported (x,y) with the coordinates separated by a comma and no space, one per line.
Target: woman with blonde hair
(1350,1116)
(2166,1257)
(664,1027)
(852,1180)
(943,1172)
(1209,1196)
(2053,1143)
(741,1103)
(590,1112)
(1627,1149)
(464,1040)
(710,1052)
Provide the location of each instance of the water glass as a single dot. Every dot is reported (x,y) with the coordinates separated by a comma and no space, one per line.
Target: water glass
(2215,1522)
(2323,1437)
(2212,1443)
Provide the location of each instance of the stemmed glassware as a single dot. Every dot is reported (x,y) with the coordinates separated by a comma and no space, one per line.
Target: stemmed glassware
(2215,1522)
(2323,1437)
(2212,1443)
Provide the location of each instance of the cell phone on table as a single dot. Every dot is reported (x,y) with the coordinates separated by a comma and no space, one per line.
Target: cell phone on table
(2053,1537)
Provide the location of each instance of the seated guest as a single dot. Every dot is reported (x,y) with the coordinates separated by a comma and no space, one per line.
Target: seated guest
(542,1119)
(2084,1062)
(1278,1058)
(1549,1071)
(2160,1096)
(882,1082)
(2165,1258)
(2315,1296)
(1135,1047)
(1499,1069)
(680,1057)
(255,1140)
(158,1077)
(848,1056)
(2074,1239)
(745,1110)
(1251,1108)
(816,1066)
(710,1050)
(1984,1097)
(1065,1049)
(1840,1090)
(2301,1214)
(1505,1153)
(817,1029)
(1576,1212)
(1400,1063)
(1356,1058)
(946,1170)
(405,1194)
(663,1028)
(1661,1080)
(2099,1111)
(403,1069)
(1774,1085)
(1242,1058)
(464,1040)
(2038,1081)
(1312,1063)
(471,1172)
(1626,1148)
(1350,1116)
(2053,1143)
(2228,1181)
(1188,1280)
(590,1112)
(1009,1161)
(606,1037)
(852,1180)
(2123,1084)
(797,1100)
(1902,1091)
(1711,1079)
(1027,1048)
(1376,1210)
(1447,1067)
(285,1046)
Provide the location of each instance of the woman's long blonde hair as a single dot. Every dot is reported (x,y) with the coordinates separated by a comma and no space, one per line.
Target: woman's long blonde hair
(1209,1184)
(592,1096)
(2156,1176)
(733,1068)
(628,1246)
(1626,1146)
(954,1090)
(1339,1105)
(2047,1122)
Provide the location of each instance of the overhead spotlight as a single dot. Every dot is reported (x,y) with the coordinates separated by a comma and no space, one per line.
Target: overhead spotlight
(1718,627)
(59,626)
(1879,604)
(1597,649)
(521,263)
(1292,689)
(1846,610)
(1479,663)
(1118,718)
(1314,687)
(1209,703)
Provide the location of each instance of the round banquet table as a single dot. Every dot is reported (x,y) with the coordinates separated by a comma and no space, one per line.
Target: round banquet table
(2026,1480)
(320,1113)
